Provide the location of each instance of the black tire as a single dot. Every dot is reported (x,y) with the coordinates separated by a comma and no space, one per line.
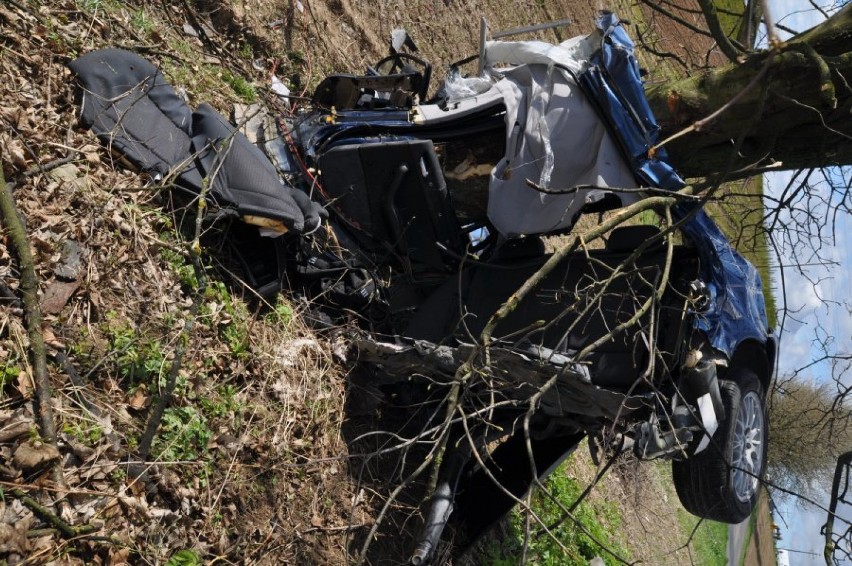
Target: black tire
(721,481)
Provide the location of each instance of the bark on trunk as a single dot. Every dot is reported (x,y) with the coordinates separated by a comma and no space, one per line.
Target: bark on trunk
(800,114)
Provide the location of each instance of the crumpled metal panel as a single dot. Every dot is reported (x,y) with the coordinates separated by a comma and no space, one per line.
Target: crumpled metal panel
(737,311)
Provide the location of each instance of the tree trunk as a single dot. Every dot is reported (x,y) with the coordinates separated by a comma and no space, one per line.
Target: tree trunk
(798,114)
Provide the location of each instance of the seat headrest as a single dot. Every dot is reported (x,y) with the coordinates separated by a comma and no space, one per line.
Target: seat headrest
(628,238)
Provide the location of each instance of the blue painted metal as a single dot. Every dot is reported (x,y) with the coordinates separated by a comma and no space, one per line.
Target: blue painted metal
(737,311)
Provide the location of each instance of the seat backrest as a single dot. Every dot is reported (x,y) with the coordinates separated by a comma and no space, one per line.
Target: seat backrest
(625,239)
(584,299)
(393,192)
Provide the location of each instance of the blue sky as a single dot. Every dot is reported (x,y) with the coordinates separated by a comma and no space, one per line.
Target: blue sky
(812,317)
(819,306)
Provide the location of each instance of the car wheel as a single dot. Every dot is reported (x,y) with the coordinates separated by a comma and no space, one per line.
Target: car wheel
(720,483)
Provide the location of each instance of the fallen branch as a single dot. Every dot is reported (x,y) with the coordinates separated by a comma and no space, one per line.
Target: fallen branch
(29,291)
(43,513)
(44,168)
(32,313)
(598,232)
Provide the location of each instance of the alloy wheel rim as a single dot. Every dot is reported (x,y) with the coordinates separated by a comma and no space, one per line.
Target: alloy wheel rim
(747,457)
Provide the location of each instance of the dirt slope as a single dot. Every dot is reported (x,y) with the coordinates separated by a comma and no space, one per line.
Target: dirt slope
(259,399)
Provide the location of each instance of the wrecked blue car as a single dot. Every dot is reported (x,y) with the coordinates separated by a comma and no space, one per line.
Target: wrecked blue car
(428,219)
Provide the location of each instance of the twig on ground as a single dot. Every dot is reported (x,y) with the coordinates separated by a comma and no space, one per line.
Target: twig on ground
(49,166)
(29,291)
(62,359)
(156,416)
(68,531)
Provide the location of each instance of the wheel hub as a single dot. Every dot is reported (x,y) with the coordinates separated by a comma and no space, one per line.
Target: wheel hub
(747,457)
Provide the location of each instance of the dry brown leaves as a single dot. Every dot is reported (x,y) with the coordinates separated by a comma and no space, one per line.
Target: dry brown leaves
(267,485)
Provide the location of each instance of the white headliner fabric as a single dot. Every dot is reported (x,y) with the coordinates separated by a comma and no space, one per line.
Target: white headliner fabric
(548,115)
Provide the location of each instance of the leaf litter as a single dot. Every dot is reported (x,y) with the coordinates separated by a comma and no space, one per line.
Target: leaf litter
(247,471)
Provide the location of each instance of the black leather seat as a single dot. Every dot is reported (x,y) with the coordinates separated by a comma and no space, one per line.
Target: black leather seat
(572,308)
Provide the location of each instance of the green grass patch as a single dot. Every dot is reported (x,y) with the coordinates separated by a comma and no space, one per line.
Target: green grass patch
(183,435)
(240,86)
(142,22)
(86,432)
(139,359)
(597,522)
(203,80)
(280,315)
(231,316)
(9,373)
(709,543)
(95,6)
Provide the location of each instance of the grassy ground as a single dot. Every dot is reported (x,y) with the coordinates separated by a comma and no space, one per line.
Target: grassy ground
(590,531)
(709,540)
(633,513)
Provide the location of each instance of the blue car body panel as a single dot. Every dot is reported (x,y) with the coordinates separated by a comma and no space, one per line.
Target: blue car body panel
(737,311)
